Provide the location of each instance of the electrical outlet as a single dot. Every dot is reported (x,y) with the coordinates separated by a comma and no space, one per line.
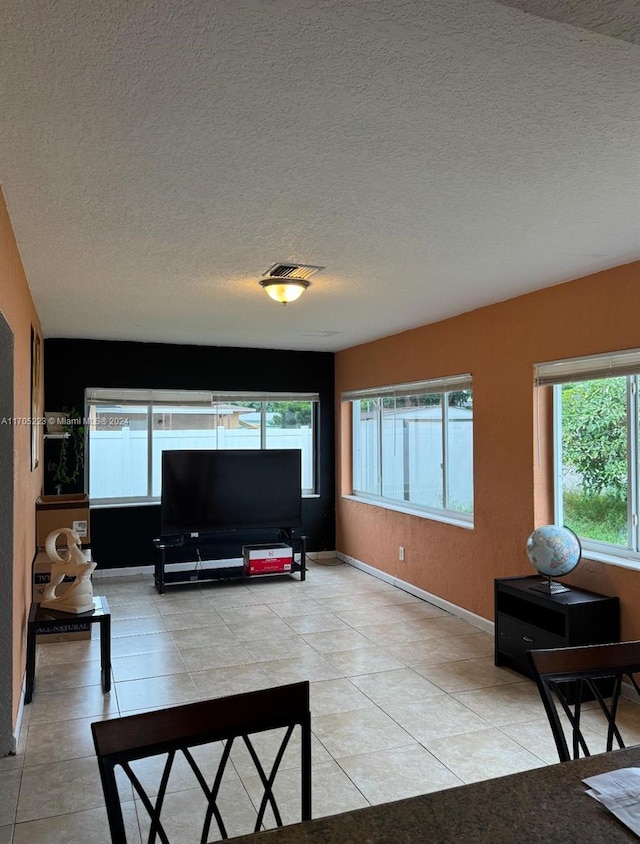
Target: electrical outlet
(401,553)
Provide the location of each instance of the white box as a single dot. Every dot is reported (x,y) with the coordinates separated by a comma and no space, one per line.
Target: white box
(267,559)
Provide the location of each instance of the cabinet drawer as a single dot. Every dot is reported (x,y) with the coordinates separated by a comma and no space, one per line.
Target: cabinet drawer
(516,638)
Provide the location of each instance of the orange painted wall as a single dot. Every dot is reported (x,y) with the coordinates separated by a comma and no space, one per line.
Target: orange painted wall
(19,311)
(499,345)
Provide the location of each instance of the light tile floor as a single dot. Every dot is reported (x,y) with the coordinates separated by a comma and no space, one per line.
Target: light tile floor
(405,697)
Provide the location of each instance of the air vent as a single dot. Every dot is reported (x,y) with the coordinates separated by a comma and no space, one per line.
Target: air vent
(304,271)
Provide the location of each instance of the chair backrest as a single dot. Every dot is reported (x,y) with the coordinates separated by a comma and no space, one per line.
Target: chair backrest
(569,677)
(175,734)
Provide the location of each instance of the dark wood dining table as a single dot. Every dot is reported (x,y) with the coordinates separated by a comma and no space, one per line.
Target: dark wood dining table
(548,805)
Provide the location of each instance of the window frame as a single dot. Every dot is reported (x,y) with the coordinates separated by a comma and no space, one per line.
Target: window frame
(591,368)
(441,386)
(153,400)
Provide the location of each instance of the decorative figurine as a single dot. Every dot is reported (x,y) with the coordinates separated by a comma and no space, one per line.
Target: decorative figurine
(78,598)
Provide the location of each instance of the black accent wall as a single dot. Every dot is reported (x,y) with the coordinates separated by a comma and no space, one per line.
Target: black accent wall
(122,536)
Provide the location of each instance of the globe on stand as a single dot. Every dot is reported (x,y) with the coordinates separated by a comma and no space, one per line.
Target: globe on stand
(555,551)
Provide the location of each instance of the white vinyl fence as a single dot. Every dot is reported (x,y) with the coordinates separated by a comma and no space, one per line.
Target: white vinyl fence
(118,459)
(412,459)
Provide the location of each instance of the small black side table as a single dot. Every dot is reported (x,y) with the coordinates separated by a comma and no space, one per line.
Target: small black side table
(41,619)
(527,619)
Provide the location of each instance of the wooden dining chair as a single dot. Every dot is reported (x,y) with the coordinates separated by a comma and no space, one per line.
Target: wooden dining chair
(568,677)
(175,734)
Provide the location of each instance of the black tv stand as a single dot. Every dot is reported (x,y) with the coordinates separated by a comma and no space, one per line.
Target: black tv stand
(203,568)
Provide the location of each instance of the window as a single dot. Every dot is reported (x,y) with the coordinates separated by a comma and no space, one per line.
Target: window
(413,446)
(596,446)
(129,429)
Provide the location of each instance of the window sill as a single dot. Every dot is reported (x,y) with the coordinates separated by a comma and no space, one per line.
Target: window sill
(611,560)
(103,505)
(146,502)
(422,514)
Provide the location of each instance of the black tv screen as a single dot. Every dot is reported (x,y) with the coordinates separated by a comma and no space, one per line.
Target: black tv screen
(206,491)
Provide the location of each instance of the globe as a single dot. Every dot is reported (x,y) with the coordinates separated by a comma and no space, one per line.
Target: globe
(554,550)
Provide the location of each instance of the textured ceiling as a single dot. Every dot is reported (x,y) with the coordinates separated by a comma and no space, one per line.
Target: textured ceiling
(158,157)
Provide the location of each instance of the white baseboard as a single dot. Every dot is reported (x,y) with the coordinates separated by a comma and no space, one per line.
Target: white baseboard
(186,566)
(321,555)
(18,726)
(122,572)
(454,609)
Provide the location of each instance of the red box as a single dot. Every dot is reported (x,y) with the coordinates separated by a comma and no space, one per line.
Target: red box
(267,559)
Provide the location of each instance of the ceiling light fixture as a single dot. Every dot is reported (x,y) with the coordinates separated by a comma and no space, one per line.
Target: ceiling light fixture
(285,289)
(287,282)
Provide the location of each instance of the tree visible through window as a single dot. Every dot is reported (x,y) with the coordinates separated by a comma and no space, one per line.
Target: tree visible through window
(597,474)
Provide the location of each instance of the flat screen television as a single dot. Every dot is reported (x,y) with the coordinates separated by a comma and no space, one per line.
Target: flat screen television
(208,491)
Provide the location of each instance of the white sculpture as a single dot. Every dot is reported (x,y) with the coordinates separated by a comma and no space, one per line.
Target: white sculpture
(78,597)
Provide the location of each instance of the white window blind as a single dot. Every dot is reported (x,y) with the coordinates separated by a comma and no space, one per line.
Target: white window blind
(199,398)
(222,395)
(588,368)
(414,388)
(136,397)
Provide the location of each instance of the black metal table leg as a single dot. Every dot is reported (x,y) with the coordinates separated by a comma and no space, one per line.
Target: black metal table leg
(105,651)
(303,557)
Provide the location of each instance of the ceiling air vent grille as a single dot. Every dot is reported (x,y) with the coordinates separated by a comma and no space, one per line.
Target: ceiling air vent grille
(304,271)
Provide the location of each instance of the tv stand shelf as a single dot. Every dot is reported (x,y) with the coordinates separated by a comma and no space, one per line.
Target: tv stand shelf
(199,568)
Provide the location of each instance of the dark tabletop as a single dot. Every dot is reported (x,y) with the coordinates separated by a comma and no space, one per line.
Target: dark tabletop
(545,805)
(100,610)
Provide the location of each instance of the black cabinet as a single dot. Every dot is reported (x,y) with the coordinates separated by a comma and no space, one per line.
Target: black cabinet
(526,619)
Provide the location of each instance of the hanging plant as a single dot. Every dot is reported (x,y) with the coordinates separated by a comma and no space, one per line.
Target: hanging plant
(71,460)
